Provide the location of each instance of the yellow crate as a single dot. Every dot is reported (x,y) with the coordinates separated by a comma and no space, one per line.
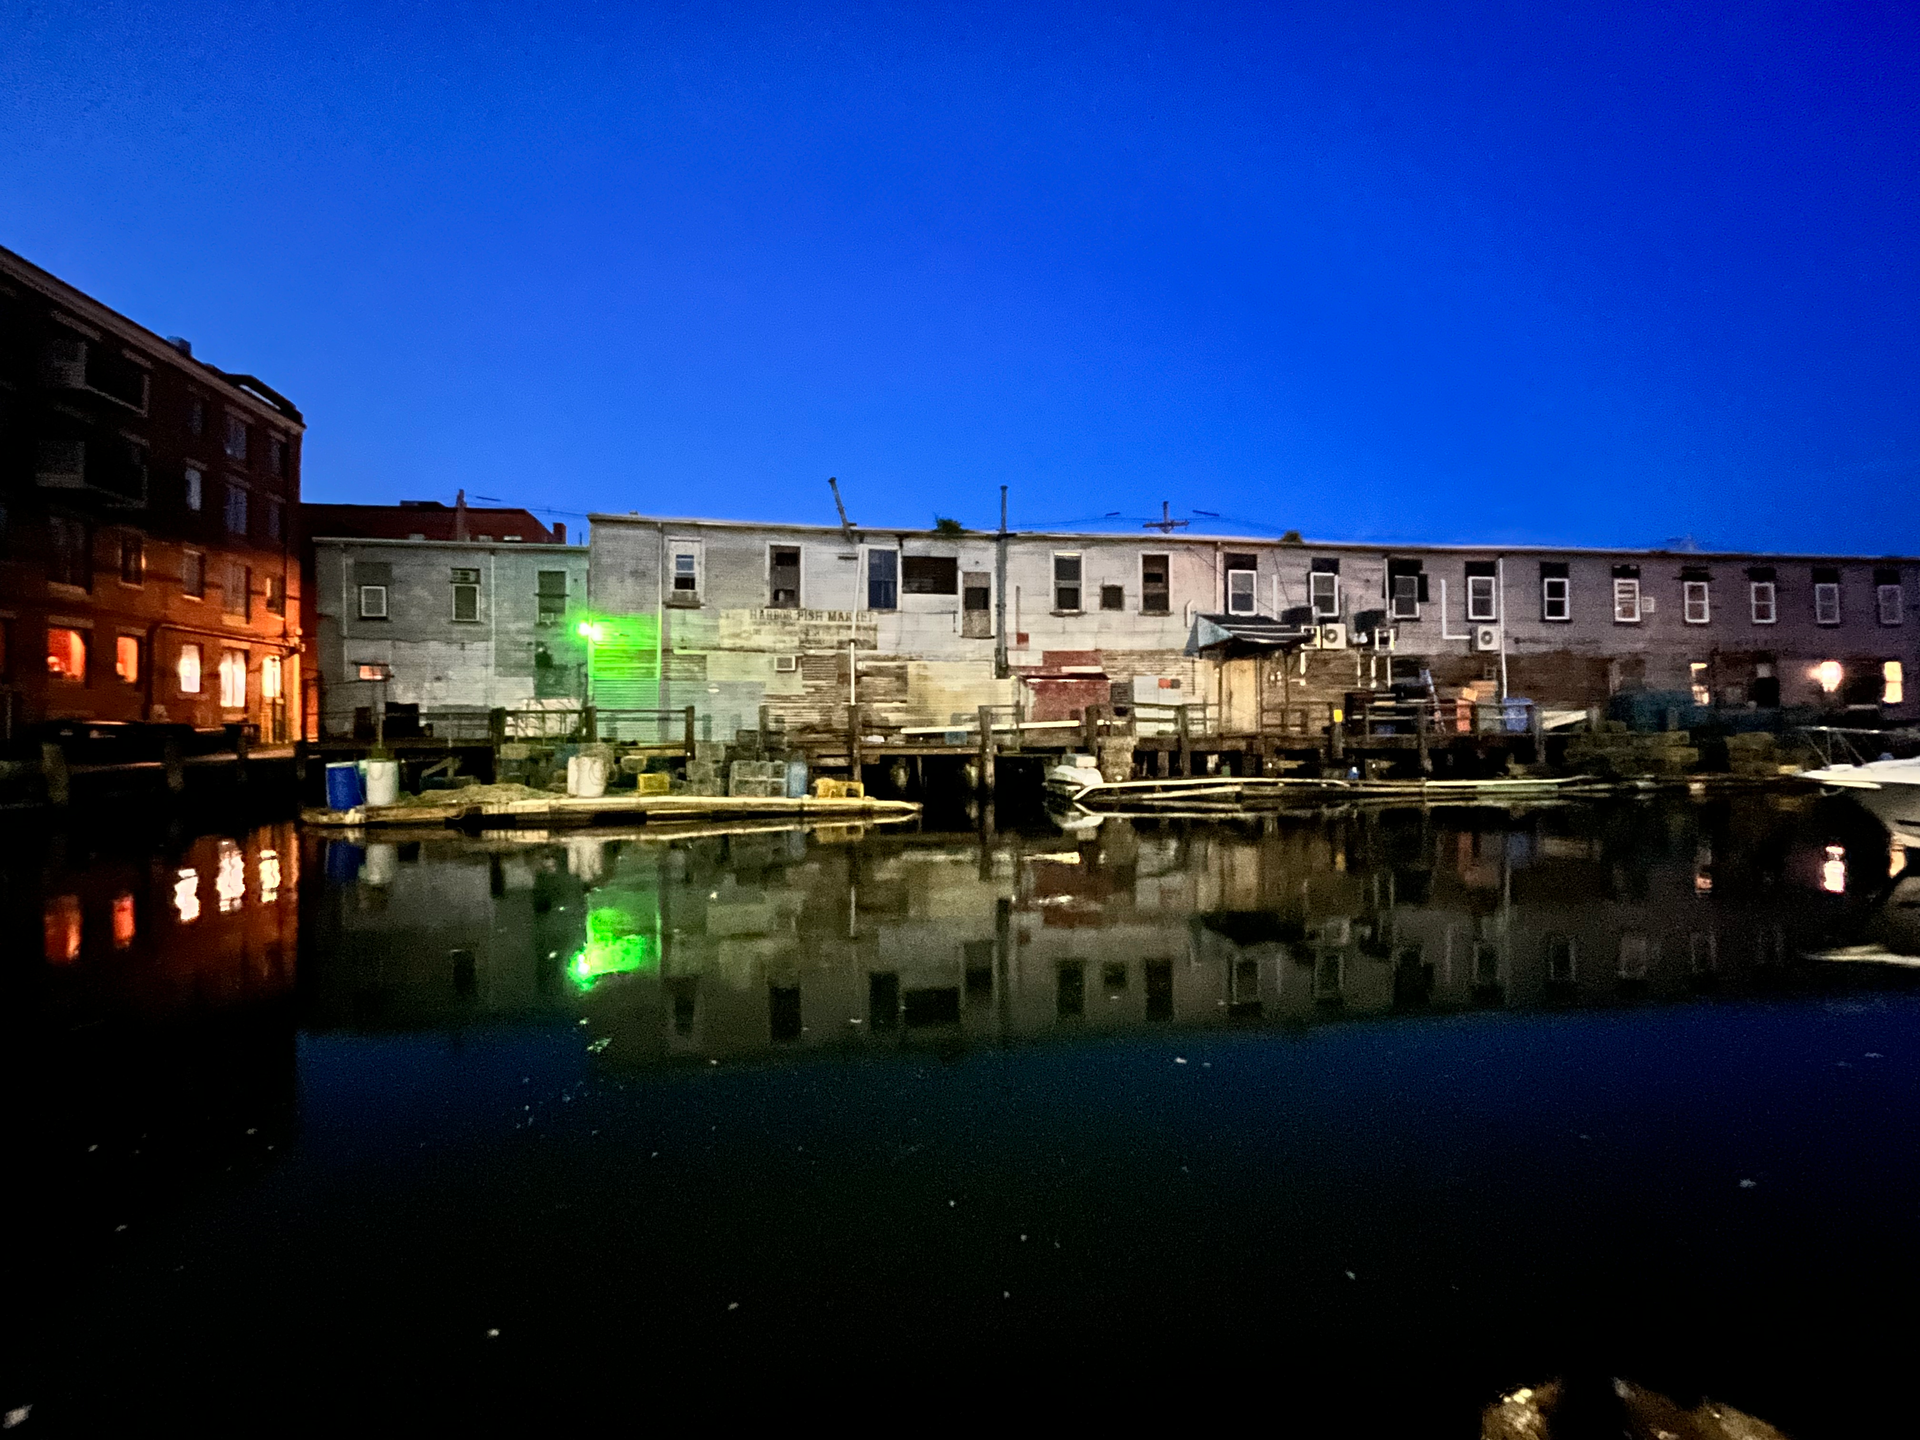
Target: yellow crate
(652,782)
(825,789)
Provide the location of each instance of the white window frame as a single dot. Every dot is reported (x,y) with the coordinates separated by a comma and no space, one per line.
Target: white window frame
(1078,585)
(1483,599)
(1251,595)
(191,678)
(1696,601)
(1891,602)
(270,677)
(1329,604)
(233,679)
(800,572)
(1548,599)
(1627,607)
(1407,606)
(194,481)
(457,586)
(377,611)
(679,546)
(867,553)
(1826,603)
(1769,601)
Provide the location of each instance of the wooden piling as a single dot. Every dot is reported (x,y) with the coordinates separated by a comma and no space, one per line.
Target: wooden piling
(1426,756)
(53,766)
(173,765)
(1186,741)
(986,755)
(687,742)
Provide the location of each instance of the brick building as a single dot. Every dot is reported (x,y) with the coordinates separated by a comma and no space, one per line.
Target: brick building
(148,570)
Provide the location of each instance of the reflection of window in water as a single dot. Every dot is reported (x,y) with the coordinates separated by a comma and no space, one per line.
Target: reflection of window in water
(230,879)
(685,993)
(123,920)
(1072,998)
(186,895)
(1245,984)
(63,929)
(1634,950)
(783,1011)
(1560,960)
(1326,975)
(1113,979)
(1703,948)
(269,868)
(1486,965)
(1159,975)
(1833,870)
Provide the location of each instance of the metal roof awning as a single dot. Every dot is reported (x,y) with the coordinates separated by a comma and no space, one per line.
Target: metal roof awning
(1256,632)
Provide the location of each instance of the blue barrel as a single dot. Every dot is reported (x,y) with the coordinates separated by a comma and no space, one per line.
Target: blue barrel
(796,779)
(345,789)
(1518,715)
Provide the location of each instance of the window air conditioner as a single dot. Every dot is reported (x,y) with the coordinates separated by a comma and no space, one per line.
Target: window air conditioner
(1337,930)
(1333,637)
(785,664)
(1486,637)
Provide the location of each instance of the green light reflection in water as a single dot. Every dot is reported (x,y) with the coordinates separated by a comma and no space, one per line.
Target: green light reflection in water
(622,939)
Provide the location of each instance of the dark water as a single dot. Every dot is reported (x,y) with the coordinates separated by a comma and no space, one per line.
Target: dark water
(1379,1113)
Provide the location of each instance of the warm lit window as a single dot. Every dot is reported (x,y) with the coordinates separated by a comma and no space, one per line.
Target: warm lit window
(1626,601)
(133,560)
(63,929)
(1892,604)
(230,877)
(1697,672)
(126,658)
(67,654)
(1242,582)
(1556,598)
(1764,597)
(270,677)
(1893,683)
(186,894)
(124,920)
(1156,593)
(187,668)
(233,679)
(1066,582)
(466,594)
(1826,603)
(1828,674)
(1696,602)
(276,601)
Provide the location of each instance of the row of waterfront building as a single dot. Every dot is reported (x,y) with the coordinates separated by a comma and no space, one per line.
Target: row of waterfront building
(157,566)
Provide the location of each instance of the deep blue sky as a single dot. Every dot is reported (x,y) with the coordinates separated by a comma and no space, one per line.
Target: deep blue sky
(1595,273)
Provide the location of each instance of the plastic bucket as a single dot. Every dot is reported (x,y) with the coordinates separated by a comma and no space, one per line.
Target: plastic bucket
(344,790)
(383,782)
(587,776)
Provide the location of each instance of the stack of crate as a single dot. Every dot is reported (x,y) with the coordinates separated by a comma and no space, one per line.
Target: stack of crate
(1615,750)
(705,768)
(762,779)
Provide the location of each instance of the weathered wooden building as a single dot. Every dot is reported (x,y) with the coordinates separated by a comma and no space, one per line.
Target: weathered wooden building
(921,627)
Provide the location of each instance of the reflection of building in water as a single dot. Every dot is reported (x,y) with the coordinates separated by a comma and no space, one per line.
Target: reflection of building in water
(738,945)
(207,926)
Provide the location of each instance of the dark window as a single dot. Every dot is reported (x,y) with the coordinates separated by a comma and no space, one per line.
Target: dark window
(1072,998)
(883,1000)
(1626,572)
(1406,588)
(1156,594)
(133,560)
(466,593)
(237,594)
(111,373)
(236,509)
(783,577)
(550,597)
(783,1011)
(1556,591)
(193,574)
(280,457)
(939,1006)
(1159,989)
(70,552)
(1066,582)
(978,596)
(883,579)
(1760,572)
(1324,565)
(197,417)
(1886,575)
(276,594)
(373,578)
(1113,597)
(236,438)
(930,575)
(273,519)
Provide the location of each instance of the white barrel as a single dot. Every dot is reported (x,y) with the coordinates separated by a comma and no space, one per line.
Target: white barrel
(383,782)
(587,776)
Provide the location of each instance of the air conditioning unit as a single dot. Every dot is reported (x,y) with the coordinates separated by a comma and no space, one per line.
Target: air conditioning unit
(1486,637)
(785,664)
(1386,637)
(1336,930)
(1333,637)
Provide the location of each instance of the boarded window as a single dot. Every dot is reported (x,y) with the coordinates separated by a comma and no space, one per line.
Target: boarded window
(550,597)
(783,577)
(930,575)
(1156,594)
(1066,582)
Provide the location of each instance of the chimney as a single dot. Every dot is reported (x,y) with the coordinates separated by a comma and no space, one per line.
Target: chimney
(559,532)
(460,515)
(182,344)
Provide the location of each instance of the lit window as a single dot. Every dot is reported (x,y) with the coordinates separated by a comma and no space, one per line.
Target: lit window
(1764,597)
(186,895)
(270,677)
(1066,582)
(1556,598)
(233,679)
(187,668)
(1696,602)
(1893,682)
(126,658)
(1826,603)
(230,878)
(1892,604)
(63,926)
(1697,672)
(123,920)
(1626,601)
(67,654)
(1833,870)
(466,594)
(269,876)
(1828,675)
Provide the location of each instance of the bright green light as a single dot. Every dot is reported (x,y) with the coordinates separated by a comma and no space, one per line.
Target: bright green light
(587,630)
(613,948)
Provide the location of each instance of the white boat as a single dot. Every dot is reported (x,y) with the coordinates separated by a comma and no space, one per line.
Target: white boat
(1890,789)
(1072,776)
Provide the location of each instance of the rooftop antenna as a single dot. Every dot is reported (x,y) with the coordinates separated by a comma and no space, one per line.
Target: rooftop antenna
(1166,524)
(846,526)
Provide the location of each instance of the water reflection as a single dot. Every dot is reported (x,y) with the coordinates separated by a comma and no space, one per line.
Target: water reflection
(761,943)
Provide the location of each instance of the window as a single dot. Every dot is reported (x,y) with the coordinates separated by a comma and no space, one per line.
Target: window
(273,518)
(1826,602)
(197,418)
(1764,599)
(1242,579)
(192,486)
(236,508)
(126,658)
(1482,603)
(237,594)
(1066,582)
(1695,601)
(276,594)
(1323,588)
(783,577)
(187,669)
(930,575)
(236,438)
(193,574)
(233,679)
(1556,591)
(1156,594)
(133,560)
(883,579)
(279,457)
(466,593)
(1561,959)
(373,578)
(1697,678)
(976,605)
(1893,682)
(1628,604)
(270,677)
(67,654)
(70,552)
(550,597)
(1113,597)
(1891,602)
(683,572)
